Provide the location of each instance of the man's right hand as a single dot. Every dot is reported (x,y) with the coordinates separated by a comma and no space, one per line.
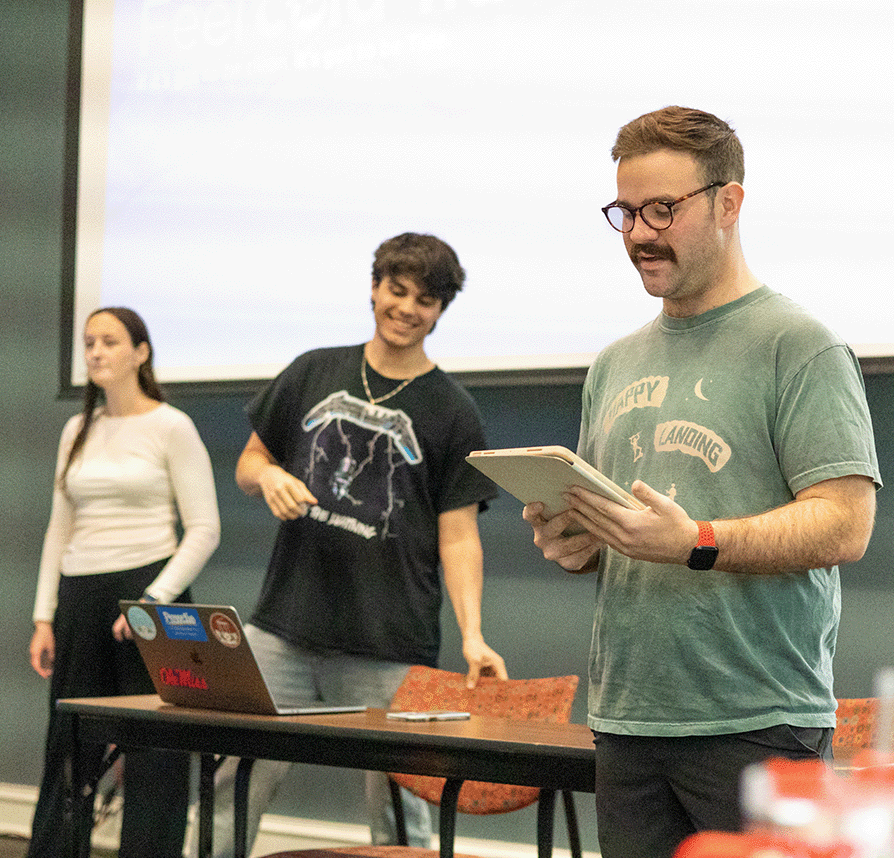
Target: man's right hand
(577,553)
(258,473)
(287,497)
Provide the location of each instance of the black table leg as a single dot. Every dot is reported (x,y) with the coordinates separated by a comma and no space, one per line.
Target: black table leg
(449,800)
(72,805)
(208,766)
(240,807)
(78,813)
(546,815)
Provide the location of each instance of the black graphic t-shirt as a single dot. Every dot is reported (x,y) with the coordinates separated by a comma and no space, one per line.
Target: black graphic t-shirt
(360,572)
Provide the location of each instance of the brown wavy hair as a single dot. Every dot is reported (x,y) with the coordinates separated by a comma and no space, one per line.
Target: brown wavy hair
(710,141)
(429,261)
(93,394)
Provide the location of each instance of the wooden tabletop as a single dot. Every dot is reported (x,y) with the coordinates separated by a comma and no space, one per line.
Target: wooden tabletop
(555,756)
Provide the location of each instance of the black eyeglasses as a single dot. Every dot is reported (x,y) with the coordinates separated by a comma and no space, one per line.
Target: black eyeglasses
(656,215)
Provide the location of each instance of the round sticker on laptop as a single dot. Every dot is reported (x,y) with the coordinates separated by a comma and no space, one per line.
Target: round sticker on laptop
(141,622)
(224,629)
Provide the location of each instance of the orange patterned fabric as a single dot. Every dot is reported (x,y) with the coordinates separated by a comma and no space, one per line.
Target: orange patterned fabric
(854,725)
(548,700)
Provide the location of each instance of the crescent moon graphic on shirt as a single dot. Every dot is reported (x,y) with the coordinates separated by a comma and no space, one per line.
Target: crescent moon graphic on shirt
(698,390)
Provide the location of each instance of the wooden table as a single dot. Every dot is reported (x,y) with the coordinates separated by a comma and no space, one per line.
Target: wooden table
(551,756)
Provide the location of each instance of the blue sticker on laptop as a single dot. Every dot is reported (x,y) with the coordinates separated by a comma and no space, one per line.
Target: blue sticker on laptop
(182,623)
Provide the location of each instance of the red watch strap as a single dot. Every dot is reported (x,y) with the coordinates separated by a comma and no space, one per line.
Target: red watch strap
(705,534)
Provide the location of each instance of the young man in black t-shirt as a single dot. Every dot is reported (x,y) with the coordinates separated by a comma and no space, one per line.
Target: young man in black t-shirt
(360,452)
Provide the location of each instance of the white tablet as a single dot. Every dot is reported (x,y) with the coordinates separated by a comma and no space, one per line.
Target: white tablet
(543,474)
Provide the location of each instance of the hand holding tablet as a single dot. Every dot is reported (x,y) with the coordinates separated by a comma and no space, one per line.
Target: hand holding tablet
(544,474)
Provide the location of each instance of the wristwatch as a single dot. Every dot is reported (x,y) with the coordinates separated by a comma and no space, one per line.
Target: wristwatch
(704,555)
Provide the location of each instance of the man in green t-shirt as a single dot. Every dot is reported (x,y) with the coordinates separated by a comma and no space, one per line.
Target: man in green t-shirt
(741,422)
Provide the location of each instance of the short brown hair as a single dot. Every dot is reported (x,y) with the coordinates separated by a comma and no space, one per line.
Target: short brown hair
(432,263)
(710,141)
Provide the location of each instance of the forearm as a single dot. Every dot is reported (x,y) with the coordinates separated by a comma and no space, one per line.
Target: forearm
(812,532)
(464,581)
(56,539)
(197,545)
(826,524)
(192,483)
(251,464)
(462,560)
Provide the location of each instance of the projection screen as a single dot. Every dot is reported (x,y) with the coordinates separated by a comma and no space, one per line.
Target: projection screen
(232,165)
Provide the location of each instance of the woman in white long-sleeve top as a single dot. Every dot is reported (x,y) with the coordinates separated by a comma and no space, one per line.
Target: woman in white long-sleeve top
(130,469)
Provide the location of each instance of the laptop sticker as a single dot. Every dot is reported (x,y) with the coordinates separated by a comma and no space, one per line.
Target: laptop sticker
(142,623)
(225,630)
(182,623)
(182,678)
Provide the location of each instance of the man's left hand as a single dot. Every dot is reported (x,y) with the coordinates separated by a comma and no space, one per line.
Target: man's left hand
(661,533)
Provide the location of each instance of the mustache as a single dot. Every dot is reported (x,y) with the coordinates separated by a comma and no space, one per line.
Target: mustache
(656,250)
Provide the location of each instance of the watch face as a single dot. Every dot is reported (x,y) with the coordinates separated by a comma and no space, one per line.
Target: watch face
(702,557)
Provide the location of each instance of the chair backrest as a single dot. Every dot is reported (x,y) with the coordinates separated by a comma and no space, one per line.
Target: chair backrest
(855,723)
(547,700)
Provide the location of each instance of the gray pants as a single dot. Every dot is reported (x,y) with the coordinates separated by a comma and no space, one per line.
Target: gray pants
(298,676)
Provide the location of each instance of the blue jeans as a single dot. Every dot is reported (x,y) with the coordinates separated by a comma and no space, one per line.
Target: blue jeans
(296,676)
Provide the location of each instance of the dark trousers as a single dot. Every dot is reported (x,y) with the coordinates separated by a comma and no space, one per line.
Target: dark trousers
(91,663)
(653,792)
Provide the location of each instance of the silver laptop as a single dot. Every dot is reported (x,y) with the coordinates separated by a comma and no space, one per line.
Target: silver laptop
(197,656)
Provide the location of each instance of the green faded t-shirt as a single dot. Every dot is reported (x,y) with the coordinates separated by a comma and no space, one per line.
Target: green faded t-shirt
(729,413)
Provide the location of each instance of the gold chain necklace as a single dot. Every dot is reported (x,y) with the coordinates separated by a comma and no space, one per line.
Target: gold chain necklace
(369,396)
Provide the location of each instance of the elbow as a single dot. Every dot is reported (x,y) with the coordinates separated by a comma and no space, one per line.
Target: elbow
(854,540)
(207,533)
(214,532)
(851,529)
(239,475)
(853,550)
